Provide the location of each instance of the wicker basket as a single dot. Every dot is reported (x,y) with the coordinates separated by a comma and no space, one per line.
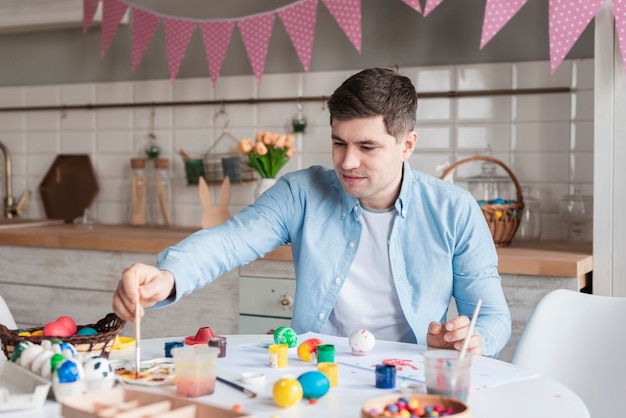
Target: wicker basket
(503,219)
(102,343)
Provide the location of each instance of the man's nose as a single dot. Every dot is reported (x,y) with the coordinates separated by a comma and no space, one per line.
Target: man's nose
(351,159)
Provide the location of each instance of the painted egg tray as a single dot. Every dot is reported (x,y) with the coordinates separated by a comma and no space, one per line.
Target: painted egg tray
(21,389)
(138,403)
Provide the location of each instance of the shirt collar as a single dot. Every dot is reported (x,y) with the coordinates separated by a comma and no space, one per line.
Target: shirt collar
(351,205)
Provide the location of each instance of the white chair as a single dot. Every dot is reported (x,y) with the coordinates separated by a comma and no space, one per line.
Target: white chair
(6,318)
(579,340)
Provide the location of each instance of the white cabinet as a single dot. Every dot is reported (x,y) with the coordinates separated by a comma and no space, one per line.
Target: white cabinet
(267,290)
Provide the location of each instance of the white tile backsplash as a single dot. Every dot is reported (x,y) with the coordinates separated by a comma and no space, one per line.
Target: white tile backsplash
(547,139)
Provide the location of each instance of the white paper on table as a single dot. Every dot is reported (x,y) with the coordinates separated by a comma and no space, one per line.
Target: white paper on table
(357,372)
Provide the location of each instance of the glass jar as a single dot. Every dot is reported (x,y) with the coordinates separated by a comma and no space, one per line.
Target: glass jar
(489,187)
(137,192)
(529,229)
(159,194)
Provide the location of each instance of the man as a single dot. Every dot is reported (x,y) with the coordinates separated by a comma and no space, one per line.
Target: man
(375,244)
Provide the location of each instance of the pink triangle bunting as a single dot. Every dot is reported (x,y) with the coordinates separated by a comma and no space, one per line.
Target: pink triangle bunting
(567,21)
(144,25)
(216,36)
(619,10)
(497,14)
(347,13)
(178,33)
(430,6)
(256,32)
(415,4)
(112,13)
(299,21)
(89,11)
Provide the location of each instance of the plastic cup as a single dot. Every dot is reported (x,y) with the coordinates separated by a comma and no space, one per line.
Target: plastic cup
(446,374)
(194,367)
(331,370)
(278,355)
(326,353)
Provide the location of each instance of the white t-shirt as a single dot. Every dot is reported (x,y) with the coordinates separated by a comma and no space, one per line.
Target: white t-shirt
(368,298)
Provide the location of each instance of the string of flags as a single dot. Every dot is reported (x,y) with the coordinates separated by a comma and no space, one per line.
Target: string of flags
(567,21)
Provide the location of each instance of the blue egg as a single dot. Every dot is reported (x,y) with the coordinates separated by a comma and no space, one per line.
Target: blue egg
(498,201)
(67,371)
(87,331)
(314,384)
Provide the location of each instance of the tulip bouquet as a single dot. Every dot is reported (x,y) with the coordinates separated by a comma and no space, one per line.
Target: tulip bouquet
(269,152)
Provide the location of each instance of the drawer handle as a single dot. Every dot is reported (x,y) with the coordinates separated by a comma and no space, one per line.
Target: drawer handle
(286,301)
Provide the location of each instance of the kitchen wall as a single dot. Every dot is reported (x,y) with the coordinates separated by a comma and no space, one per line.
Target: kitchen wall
(547,139)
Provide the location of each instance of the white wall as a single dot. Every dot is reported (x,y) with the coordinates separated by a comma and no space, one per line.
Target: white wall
(547,139)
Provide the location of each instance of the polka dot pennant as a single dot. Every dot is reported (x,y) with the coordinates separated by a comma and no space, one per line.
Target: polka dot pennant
(347,13)
(89,10)
(299,21)
(112,13)
(216,36)
(430,6)
(497,14)
(619,9)
(415,4)
(177,36)
(256,32)
(567,21)
(144,25)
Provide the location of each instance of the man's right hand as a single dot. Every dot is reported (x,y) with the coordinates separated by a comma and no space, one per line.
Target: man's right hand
(143,283)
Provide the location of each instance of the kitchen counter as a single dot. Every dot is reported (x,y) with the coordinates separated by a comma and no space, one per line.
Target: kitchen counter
(543,258)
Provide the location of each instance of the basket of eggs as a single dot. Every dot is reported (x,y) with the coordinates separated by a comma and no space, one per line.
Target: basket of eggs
(95,338)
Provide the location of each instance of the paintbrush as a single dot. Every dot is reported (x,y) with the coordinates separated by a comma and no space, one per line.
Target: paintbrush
(236,386)
(137,329)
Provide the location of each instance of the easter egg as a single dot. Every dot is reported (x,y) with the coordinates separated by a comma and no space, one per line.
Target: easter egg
(286,335)
(19,348)
(307,350)
(314,384)
(97,368)
(29,354)
(87,331)
(67,350)
(38,362)
(287,392)
(68,323)
(362,342)
(55,360)
(56,329)
(68,371)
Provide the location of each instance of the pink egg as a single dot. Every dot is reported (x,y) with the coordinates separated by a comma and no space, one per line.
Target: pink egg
(68,323)
(56,329)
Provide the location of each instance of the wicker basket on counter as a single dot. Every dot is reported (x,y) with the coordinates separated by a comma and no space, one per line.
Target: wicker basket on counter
(503,218)
(108,328)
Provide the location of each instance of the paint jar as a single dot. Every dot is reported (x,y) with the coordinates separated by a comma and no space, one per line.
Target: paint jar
(278,355)
(325,353)
(219,342)
(385,376)
(170,345)
(194,367)
(331,370)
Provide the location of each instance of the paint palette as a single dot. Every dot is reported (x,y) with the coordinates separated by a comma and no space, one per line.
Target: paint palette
(157,372)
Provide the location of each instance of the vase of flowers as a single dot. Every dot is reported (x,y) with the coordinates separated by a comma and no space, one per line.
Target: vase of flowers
(267,155)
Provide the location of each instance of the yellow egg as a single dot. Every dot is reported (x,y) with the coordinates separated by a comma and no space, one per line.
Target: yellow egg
(24,334)
(37,333)
(287,392)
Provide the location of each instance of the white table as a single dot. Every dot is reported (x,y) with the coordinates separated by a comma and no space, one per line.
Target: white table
(535,396)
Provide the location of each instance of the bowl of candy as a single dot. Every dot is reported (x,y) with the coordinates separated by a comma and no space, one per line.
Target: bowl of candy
(417,405)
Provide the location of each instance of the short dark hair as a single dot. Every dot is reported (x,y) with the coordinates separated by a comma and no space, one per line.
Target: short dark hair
(377,92)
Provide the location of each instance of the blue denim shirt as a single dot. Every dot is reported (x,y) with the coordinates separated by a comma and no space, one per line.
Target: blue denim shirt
(440,247)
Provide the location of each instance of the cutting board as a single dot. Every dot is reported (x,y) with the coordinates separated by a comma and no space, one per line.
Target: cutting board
(69,187)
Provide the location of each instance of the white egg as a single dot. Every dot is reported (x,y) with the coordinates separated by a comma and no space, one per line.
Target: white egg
(362,342)
(44,356)
(98,368)
(29,354)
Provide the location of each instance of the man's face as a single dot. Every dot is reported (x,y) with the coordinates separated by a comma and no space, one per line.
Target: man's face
(368,161)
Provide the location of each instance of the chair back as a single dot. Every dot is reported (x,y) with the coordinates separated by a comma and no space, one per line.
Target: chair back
(579,340)
(6,318)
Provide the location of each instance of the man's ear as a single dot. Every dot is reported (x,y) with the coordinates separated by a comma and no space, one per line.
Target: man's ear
(408,145)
